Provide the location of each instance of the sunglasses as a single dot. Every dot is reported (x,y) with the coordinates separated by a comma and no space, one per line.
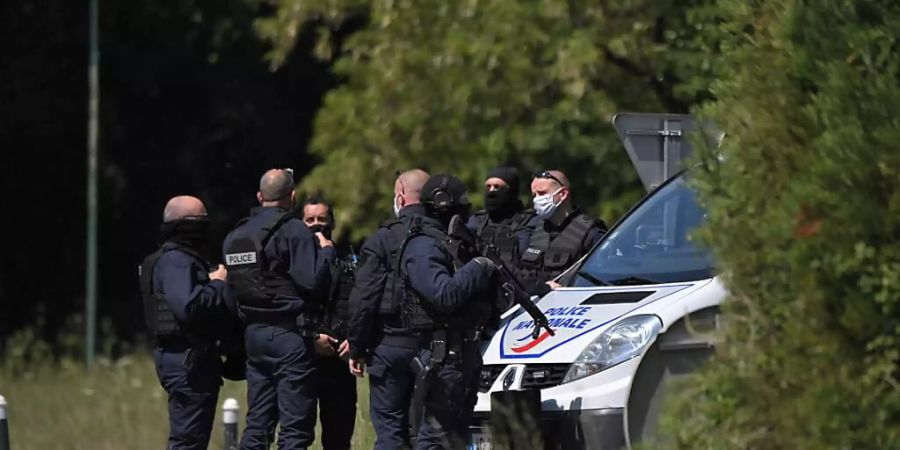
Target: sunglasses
(548,175)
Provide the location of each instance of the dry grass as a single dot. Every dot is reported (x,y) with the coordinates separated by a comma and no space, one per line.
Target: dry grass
(119,405)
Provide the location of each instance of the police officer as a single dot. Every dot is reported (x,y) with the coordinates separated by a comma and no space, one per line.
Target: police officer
(279,271)
(562,233)
(186,312)
(337,386)
(504,222)
(376,332)
(450,301)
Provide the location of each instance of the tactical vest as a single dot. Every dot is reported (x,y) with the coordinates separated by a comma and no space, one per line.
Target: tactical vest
(502,235)
(544,259)
(254,284)
(160,320)
(343,276)
(417,314)
(390,306)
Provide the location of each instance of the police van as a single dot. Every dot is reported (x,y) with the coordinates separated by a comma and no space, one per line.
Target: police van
(637,312)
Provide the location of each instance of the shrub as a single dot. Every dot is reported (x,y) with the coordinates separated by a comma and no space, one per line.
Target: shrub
(804,216)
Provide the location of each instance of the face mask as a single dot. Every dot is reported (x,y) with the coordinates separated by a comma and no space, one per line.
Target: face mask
(396,207)
(192,233)
(544,206)
(499,200)
(319,228)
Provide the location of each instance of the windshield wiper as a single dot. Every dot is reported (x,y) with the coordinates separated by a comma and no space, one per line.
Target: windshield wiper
(632,280)
(594,280)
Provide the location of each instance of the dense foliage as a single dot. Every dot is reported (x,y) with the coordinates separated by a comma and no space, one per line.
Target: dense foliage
(804,215)
(803,198)
(462,86)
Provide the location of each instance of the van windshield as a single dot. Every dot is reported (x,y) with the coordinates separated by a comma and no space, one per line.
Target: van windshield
(651,245)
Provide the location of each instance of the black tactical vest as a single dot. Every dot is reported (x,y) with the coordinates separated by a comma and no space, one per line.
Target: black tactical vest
(343,275)
(254,284)
(502,234)
(417,314)
(160,320)
(544,259)
(158,316)
(390,307)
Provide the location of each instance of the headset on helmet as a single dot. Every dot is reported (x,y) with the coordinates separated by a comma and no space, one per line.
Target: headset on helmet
(440,196)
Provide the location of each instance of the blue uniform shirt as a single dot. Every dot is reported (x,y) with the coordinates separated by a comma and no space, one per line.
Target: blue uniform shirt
(293,250)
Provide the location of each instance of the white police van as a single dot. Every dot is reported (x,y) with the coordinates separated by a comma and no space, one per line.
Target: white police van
(639,310)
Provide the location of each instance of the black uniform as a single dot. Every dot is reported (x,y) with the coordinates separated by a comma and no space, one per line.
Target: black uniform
(280,277)
(337,386)
(509,233)
(377,333)
(449,302)
(187,313)
(457,304)
(552,249)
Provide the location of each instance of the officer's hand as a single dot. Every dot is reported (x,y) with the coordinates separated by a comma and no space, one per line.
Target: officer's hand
(554,285)
(219,274)
(358,367)
(323,241)
(486,262)
(344,350)
(324,345)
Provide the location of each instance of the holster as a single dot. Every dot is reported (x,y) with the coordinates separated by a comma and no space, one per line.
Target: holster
(439,351)
(306,327)
(195,353)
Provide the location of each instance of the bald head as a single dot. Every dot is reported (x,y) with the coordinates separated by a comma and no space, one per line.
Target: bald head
(409,186)
(183,206)
(276,188)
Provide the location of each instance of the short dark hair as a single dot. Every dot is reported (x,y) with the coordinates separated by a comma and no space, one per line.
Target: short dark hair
(319,199)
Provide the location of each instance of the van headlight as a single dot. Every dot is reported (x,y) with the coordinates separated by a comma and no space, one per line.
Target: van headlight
(624,340)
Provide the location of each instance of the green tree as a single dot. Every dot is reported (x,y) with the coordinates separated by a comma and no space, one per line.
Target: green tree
(463,86)
(804,215)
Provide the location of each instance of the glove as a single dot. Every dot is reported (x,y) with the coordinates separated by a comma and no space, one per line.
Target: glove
(486,262)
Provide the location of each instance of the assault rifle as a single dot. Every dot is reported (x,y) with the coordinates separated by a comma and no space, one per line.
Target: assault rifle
(464,241)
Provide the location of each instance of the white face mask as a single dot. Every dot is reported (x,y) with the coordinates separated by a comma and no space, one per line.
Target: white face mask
(544,206)
(396,206)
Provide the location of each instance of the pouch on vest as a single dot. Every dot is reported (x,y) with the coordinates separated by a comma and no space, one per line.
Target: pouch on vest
(532,257)
(557,260)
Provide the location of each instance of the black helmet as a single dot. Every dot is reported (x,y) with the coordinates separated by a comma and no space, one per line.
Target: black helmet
(445,196)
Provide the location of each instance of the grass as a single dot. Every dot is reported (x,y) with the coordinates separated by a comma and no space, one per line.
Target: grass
(117,405)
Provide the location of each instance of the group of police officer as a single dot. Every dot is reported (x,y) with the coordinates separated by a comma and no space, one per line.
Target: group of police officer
(289,313)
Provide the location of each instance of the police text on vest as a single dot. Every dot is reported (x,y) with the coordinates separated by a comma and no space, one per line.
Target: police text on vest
(234,259)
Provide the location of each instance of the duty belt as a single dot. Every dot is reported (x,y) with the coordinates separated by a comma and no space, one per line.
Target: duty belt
(413,340)
(301,326)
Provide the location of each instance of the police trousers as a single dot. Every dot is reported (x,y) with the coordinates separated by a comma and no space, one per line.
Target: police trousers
(337,402)
(193,396)
(392,374)
(450,399)
(281,389)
